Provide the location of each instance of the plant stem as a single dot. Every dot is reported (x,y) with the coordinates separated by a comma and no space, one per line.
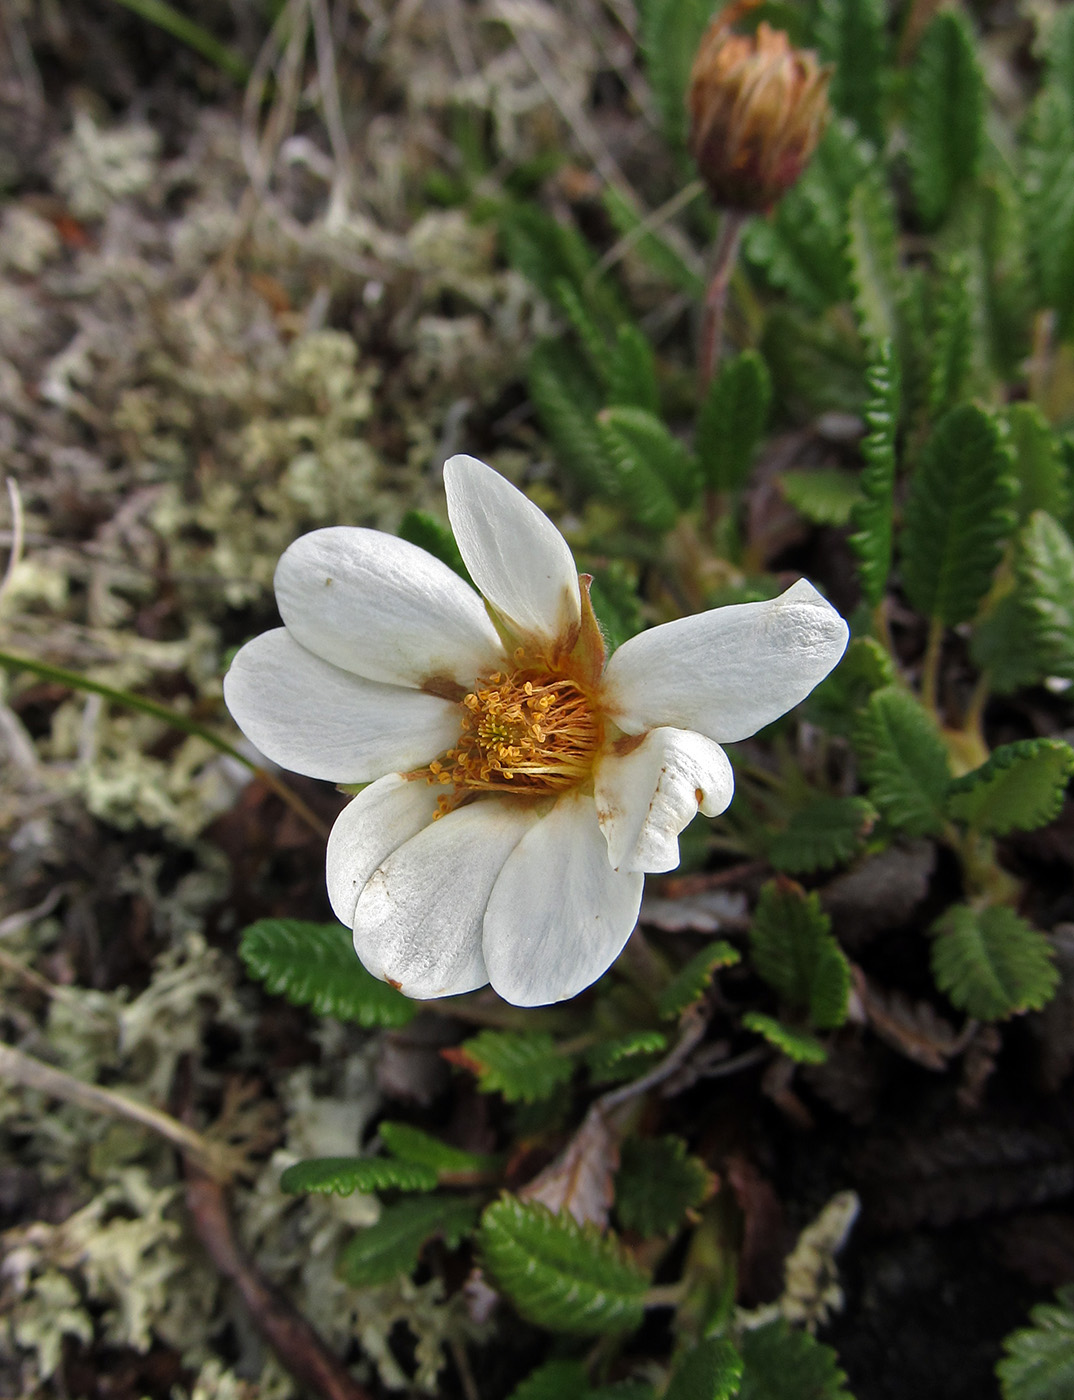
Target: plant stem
(723,264)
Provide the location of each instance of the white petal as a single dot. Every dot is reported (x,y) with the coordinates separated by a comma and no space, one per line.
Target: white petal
(418,919)
(315,719)
(516,556)
(559,914)
(378,821)
(646,797)
(383,608)
(728,672)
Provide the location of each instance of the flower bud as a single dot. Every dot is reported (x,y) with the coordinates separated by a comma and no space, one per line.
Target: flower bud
(757,110)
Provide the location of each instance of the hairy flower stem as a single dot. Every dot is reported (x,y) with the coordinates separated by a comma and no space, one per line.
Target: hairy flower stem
(723,265)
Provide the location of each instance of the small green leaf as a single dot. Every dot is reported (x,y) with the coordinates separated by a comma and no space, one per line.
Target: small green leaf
(873,261)
(632,378)
(420,528)
(797,1045)
(958,516)
(732,421)
(945,115)
(711,1370)
(991,964)
(1039,1364)
(626,1056)
(341,1176)
(382,1252)
(823,495)
(851,35)
(1039,469)
(692,979)
(785,1364)
(904,761)
(657,1183)
(829,831)
(872,540)
(656,478)
(410,1144)
(1045,568)
(559,1274)
(835,703)
(792,948)
(315,965)
(524,1067)
(1019,788)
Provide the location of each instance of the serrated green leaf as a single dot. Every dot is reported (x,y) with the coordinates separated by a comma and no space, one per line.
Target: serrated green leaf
(559,1274)
(1019,788)
(823,495)
(837,701)
(732,421)
(671,31)
(632,371)
(1049,177)
(1039,468)
(797,1045)
(951,343)
(958,516)
(783,1364)
(712,1370)
(420,528)
(658,1181)
(872,540)
(873,261)
(315,965)
(341,1176)
(904,762)
(410,1144)
(692,979)
(382,1252)
(655,475)
(567,401)
(991,964)
(792,948)
(1039,1364)
(523,1067)
(828,831)
(945,115)
(1045,569)
(851,34)
(626,1056)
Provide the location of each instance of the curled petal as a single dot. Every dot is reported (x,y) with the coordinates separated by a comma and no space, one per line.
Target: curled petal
(383,608)
(559,914)
(646,796)
(372,826)
(728,672)
(515,555)
(417,923)
(315,719)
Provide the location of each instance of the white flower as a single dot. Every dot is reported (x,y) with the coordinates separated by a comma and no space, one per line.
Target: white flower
(519,787)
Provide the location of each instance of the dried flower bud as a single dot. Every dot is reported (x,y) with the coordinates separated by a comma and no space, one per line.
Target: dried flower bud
(757,109)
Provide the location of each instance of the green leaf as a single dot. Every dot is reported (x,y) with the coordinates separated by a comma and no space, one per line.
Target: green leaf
(945,115)
(732,421)
(951,342)
(1049,177)
(559,1274)
(783,1364)
(836,702)
(1039,468)
(420,528)
(904,762)
(958,516)
(341,1176)
(567,401)
(619,1058)
(524,1067)
(850,34)
(793,950)
(872,540)
(1019,788)
(1039,1364)
(382,1252)
(692,979)
(823,495)
(657,1183)
(873,261)
(671,31)
(656,477)
(991,964)
(315,965)
(632,371)
(410,1144)
(829,831)
(797,1045)
(711,1370)
(1045,568)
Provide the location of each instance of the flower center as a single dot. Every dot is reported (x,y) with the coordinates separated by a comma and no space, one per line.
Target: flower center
(526,731)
